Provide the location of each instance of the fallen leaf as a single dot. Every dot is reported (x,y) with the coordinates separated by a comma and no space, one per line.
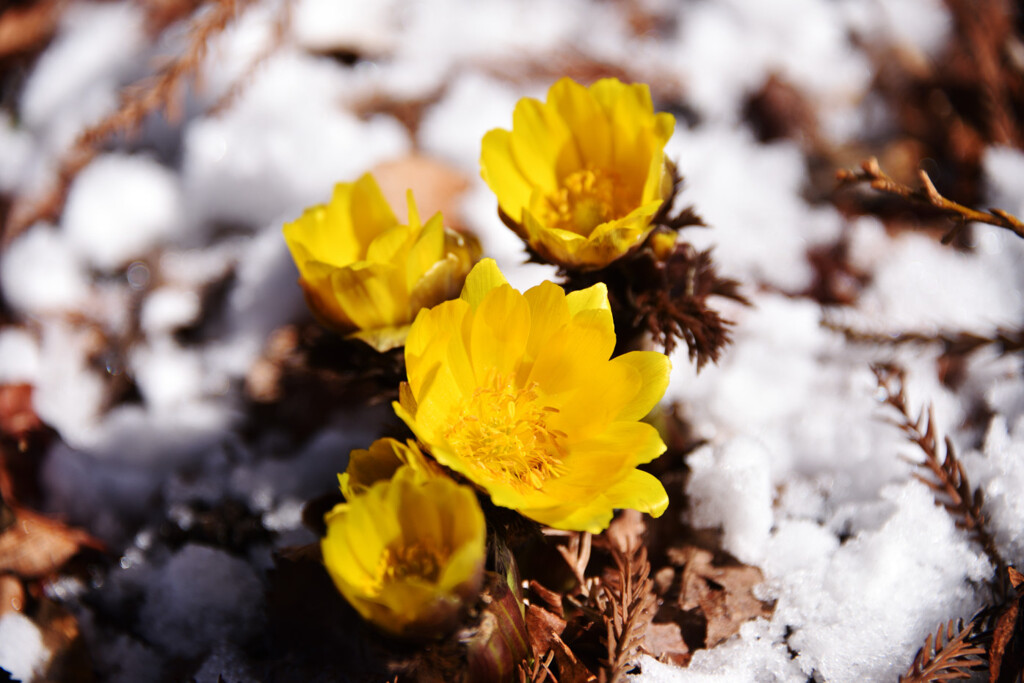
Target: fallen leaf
(435,186)
(722,593)
(543,627)
(12,594)
(34,545)
(665,642)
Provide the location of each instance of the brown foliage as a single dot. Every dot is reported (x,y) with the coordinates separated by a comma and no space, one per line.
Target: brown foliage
(943,472)
(947,654)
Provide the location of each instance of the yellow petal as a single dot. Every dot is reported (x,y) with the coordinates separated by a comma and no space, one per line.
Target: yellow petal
(501,327)
(654,369)
(371,294)
(484,277)
(502,175)
(594,297)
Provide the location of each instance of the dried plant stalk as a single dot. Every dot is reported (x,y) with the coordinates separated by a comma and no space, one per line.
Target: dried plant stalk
(947,654)
(872,174)
(945,473)
(631,603)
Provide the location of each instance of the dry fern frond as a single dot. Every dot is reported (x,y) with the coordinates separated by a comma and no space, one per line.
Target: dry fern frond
(631,603)
(945,473)
(872,174)
(946,655)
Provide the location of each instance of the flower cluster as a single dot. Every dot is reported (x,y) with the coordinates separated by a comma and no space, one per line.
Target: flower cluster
(513,395)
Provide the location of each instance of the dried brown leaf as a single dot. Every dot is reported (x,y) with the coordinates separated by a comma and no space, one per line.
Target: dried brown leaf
(12,594)
(35,546)
(722,593)
(665,641)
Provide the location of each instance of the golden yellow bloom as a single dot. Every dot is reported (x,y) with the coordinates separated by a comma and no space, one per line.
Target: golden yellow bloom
(581,175)
(408,554)
(380,462)
(365,274)
(519,393)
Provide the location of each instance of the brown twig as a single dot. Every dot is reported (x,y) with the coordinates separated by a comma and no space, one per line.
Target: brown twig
(872,174)
(947,654)
(953,343)
(945,473)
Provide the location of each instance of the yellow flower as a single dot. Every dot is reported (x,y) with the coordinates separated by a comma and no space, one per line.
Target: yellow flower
(517,392)
(365,274)
(580,176)
(408,554)
(380,462)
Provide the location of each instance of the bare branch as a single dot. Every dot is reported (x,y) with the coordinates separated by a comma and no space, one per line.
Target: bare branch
(872,174)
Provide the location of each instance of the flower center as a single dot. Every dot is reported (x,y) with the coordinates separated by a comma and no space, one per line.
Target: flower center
(504,431)
(416,560)
(586,199)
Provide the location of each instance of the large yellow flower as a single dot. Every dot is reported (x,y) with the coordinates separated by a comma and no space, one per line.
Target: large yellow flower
(408,554)
(519,393)
(580,176)
(365,274)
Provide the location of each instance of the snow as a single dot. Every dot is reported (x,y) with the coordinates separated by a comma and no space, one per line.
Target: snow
(22,651)
(119,208)
(167,274)
(41,272)
(201,597)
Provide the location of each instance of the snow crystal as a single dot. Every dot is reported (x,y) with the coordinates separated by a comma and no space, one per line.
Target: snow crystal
(756,655)
(167,309)
(202,596)
(22,651)
(472,105)
(1004,179)
(730,487)
(74,82)
(120,207)
(863,612)
(999,471)
(361,27)
(69,394)
(19,356)
(750,195)
(971,294)
(40,272)
(282,146)
(15,161)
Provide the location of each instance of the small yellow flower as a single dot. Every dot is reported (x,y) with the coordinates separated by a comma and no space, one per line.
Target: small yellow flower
(519,394)
(380,462)
(408,554)
(365,274)
(580,176)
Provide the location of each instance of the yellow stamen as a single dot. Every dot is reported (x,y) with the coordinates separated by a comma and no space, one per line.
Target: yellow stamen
(504,430)
(586,199)
(417,560)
